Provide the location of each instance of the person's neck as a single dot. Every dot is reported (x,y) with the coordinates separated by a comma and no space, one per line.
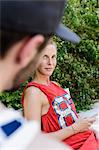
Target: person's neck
(2,68)
(41,79)
(7,73)
(1,88)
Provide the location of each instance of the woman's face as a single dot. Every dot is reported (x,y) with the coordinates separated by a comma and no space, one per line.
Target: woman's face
(48,60)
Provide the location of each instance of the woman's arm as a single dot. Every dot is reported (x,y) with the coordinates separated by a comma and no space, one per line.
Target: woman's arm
(32,110)
(32,104)
(63,133)
(81,125)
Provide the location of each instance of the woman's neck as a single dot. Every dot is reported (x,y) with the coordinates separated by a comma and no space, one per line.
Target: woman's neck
(41,79)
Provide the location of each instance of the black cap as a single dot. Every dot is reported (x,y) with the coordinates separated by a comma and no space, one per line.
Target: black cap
(35,16)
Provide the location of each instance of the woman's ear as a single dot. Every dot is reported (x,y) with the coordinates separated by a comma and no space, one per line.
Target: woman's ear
(28,50)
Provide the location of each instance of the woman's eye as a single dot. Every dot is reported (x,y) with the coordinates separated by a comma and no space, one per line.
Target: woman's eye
(45,57)
(54,57)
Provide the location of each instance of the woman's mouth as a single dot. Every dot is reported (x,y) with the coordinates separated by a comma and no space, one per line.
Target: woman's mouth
(49,69)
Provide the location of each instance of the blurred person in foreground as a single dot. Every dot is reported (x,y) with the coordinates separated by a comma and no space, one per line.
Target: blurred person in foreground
(25,27)
(49,104)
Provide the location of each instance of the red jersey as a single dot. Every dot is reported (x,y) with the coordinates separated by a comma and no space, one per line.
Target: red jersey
(61,114)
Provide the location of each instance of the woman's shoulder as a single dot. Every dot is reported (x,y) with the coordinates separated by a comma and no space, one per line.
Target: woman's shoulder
(32,90)
(32,87)
(33,95)
(55,83)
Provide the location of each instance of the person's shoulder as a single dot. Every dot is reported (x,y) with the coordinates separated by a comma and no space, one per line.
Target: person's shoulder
(34,93)
(32,90)
(55,83)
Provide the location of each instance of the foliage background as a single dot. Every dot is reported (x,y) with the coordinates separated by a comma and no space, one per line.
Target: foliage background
(78,65)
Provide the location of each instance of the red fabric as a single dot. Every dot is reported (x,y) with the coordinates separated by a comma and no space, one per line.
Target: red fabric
(62,113)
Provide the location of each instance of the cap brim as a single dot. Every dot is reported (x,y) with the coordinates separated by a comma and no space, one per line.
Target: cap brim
(66,34)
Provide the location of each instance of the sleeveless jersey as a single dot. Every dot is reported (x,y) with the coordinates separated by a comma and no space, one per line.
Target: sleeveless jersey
(61,114)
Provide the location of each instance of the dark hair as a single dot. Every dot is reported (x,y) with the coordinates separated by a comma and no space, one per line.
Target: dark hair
(8,39)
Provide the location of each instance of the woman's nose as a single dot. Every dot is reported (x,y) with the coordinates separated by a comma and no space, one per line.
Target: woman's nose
(50,61)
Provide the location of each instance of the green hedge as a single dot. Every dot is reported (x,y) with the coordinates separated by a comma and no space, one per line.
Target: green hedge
(77,66)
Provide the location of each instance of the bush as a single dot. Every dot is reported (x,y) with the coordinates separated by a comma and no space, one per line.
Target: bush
(77,66)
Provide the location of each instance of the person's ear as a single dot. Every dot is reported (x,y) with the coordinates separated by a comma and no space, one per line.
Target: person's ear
(29,50)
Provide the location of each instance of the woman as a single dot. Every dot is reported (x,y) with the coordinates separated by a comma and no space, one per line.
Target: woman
(46,102)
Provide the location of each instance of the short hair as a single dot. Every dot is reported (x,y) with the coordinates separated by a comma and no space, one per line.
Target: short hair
(8,39)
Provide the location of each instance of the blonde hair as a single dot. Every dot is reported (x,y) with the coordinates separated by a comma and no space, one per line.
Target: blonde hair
(50,41)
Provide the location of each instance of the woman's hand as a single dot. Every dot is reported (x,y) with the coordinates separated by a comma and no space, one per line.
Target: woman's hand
(83,124)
